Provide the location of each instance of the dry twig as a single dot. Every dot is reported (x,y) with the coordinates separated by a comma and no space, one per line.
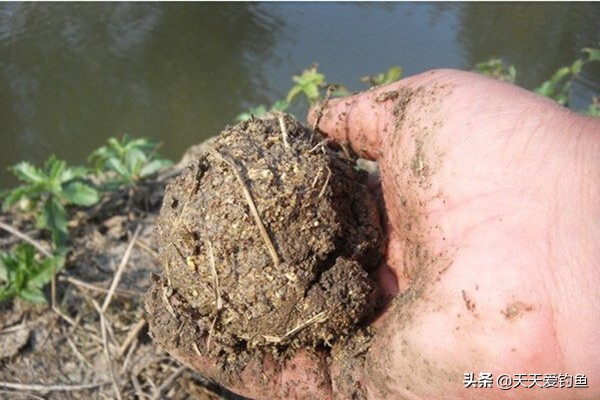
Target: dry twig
(168,382)
(132,335)
(28,239)
(322,192)
(106,350)
(81,284)
(51,388)
(120,269)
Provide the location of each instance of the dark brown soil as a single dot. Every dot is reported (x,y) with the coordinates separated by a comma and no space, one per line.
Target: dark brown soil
(266,240)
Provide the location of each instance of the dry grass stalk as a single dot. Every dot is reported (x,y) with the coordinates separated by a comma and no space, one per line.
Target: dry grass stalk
(146,247)
(78,353)
(103,328)
(320,317)
(132,349)
(253,210)
(168,382)
(28,239)
(120,269)
(314,183)
(284,132)
(167,303)
(23,394)
(322,192)
(81,284)
(132,335)
(51,388)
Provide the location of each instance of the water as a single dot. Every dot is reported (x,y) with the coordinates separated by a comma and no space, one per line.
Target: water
(74,74)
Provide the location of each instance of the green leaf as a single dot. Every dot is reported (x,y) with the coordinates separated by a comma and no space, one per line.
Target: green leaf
(15,195)
(393,74)
(594,108)
(593,54)
(116,146)
(295,91)
(560,74)
(280,105)
(25,276)
(54,218)
(497,68)
(545,89)
(80,194)
(119,168)
(7,293)
(33,295)
(576,67)
(74,173)
(55,168)
(154,166)
(46,271)
(308,83)
(28,173)
(256,112)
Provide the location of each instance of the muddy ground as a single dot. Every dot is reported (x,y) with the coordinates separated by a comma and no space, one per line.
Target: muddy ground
(62,352)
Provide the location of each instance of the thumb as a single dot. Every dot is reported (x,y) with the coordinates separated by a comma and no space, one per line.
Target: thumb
(363,120)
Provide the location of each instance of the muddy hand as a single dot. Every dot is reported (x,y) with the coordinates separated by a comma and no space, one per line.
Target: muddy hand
(492,197)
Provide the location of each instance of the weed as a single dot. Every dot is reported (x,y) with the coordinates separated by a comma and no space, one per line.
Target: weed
(23,275)
(497,68)
(309,83)
(47,191)
(126,161)
(559,85)
(279,105)
(383,78)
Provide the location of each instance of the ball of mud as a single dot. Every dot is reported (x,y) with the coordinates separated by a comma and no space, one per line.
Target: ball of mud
(269,238)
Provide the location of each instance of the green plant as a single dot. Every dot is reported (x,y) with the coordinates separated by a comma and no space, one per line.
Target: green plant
(23,275)
(559,85)
(309,83)
(498,69)
(594,108)
(128,160)
(279,105)
(383,78)
(47,191)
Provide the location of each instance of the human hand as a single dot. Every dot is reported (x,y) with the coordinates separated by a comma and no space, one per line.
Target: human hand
(492,202)
(492,196)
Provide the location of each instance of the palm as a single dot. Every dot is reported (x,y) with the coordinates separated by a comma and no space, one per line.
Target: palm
(473,218)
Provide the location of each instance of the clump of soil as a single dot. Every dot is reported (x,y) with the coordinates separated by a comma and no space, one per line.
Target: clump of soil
(268,239)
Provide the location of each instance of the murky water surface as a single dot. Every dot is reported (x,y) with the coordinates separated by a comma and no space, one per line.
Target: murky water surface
(74,74)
